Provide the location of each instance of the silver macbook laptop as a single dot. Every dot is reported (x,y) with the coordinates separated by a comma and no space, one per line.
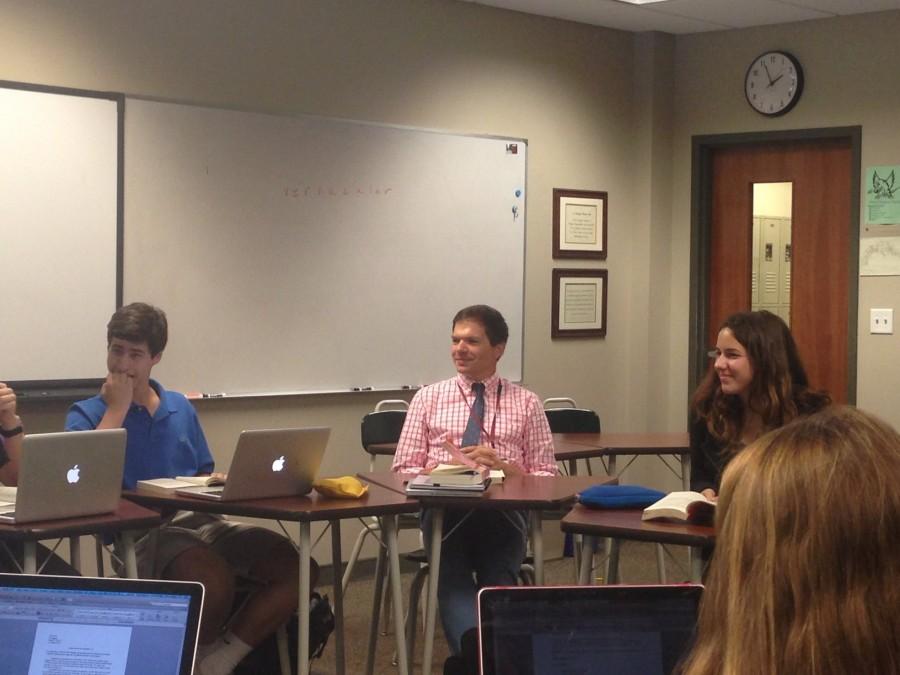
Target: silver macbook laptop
(590,630)
(85,625)
(67,474)
(270,463)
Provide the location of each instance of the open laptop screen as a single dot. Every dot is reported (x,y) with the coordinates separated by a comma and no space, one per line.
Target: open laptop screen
(77,624)
(641,630)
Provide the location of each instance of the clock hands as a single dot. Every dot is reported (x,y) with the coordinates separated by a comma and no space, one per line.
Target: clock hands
(776,79)
(768,74)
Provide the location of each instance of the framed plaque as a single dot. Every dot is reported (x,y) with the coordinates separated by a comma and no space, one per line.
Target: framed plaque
(579,303)
(579,224)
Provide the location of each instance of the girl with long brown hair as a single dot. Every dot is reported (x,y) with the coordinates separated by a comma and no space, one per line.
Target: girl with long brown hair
(755,383)
(804,580)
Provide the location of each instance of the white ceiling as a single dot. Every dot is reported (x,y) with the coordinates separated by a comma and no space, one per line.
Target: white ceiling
(691,16)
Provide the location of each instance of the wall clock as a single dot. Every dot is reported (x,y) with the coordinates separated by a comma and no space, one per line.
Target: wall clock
(773,83)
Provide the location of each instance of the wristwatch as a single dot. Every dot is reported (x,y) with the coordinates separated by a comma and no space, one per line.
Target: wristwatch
(9,433)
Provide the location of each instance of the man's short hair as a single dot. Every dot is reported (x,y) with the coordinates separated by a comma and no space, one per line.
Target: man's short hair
(139,322)
(494,324)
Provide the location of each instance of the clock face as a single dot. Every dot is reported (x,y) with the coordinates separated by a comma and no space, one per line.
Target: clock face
(773,83)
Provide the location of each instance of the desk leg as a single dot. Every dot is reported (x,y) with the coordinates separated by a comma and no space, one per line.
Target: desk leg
(336,565)
(612,561)
(75,553)
(378,591)
(588,547)
(434,566)
(303,601)
(127,543)
(29,557)
(389,527)
(537,545)
(611,546)
(573,467)
(696,564)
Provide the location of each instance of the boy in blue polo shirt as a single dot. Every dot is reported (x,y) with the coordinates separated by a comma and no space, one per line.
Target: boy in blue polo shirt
(165,440)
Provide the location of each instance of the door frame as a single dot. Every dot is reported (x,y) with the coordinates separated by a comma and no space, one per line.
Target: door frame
(702,148)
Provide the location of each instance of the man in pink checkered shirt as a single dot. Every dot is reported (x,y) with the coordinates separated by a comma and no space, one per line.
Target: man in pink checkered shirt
(484,547)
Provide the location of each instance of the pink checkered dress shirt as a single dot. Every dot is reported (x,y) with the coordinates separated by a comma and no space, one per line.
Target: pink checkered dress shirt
(438,412)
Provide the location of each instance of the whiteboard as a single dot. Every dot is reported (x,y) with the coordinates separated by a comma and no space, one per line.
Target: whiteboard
(59,218)
(302,254)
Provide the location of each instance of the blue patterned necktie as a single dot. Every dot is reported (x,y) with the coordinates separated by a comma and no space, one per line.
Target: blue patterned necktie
(472,434)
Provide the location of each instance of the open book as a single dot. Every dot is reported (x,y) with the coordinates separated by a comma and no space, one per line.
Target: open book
(689,506)
(167,486)
(457,474)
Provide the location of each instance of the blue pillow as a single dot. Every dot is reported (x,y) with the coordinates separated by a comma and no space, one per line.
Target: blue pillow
(619,497)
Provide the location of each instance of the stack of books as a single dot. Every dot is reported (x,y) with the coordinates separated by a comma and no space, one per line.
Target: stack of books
(452,479)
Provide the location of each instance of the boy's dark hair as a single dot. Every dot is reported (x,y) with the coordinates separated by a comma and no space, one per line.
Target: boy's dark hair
(139,322)
(494,324)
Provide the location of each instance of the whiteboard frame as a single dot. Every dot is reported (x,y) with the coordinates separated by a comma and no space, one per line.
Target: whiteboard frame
(66,388)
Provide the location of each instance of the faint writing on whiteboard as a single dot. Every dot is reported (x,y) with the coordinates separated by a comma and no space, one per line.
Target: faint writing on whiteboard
(327,191)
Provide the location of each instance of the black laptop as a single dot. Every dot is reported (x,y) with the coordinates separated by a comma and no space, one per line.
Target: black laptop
(588,630)
(51,624)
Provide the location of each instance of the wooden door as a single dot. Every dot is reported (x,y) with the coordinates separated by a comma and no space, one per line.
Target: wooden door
(822,175)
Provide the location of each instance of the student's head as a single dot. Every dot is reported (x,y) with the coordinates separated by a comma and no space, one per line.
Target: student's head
(755,365)
(136,336)
(756,352)
(478,341)
(805,574)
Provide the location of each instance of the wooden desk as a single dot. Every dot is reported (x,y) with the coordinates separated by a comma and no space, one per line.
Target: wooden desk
(127,518)
(305,510)
(571,447)
(627,524)
(531,493)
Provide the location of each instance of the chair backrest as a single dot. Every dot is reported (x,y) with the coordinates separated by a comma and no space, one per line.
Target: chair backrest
(556,402)
(573,421)
(382,426)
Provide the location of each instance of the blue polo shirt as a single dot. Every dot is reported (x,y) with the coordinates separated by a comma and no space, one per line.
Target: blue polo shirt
(170,443)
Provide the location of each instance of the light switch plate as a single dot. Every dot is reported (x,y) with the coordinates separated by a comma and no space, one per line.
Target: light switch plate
(881,321)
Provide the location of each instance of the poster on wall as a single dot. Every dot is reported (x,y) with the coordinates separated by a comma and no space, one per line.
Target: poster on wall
(882,195)
(879,247)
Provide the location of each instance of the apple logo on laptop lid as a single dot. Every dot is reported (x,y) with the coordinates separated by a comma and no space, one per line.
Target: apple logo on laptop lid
(72,475)
(278,464)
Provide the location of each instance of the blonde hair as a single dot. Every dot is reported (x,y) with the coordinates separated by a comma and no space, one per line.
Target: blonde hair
(806,573)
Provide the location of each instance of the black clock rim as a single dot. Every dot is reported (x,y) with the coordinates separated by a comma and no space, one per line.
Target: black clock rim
(793,102)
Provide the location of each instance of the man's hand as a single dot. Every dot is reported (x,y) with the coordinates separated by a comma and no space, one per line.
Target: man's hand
(8,417)
(118,391)
(487,456)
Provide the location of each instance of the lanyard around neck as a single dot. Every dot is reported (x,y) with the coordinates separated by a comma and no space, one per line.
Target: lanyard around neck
(481,421)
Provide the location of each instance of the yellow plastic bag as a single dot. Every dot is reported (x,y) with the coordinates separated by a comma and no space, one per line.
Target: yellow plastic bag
(344,487)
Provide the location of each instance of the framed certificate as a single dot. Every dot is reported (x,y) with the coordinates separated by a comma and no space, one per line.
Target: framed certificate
(579,224)
(579,303)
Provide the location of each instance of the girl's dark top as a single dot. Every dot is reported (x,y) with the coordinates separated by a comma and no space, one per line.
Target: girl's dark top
(709,456)
(708,460)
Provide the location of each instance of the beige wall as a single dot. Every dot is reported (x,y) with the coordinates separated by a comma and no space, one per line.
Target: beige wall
(601,109)
(847,63)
